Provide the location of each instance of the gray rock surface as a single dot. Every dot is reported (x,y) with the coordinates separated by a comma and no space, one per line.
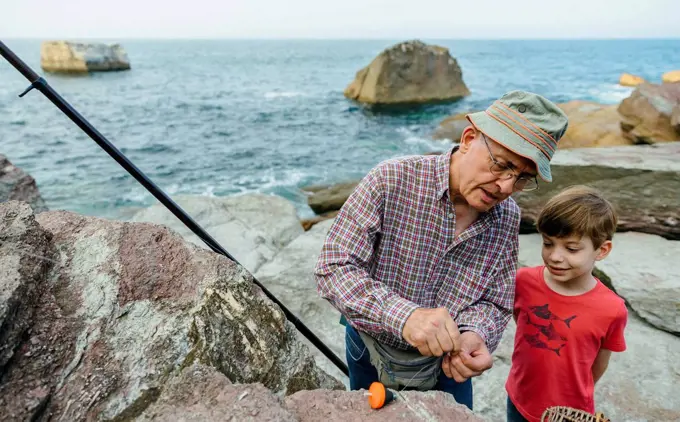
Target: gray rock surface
(290,277)
(16,184)
(253,228)
(25,254)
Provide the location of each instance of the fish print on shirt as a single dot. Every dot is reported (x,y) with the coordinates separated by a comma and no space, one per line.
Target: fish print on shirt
(547,336)
(544,313)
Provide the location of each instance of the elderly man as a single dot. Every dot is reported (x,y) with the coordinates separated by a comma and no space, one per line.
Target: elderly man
(421,259)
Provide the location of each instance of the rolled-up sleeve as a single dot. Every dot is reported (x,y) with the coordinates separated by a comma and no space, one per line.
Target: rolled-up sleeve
(342,270)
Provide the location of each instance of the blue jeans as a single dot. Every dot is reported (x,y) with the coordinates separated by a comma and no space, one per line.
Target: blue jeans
(362,373)
(513,414)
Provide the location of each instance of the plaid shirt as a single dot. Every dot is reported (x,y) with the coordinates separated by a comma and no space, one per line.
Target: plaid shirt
(392,249)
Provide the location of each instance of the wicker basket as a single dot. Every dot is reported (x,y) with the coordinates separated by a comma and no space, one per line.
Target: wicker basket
(569,414)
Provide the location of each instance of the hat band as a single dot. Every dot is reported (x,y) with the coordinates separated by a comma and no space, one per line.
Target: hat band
(514,122)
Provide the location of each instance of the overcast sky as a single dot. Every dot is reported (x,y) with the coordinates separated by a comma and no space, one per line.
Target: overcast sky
(340,19)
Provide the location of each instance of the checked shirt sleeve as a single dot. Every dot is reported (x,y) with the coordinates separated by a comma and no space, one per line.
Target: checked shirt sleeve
(342,270)
(490,315)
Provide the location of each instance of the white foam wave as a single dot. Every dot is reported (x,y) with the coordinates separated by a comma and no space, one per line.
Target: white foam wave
(284,94)
(611,93)
(432,145)
(424,144)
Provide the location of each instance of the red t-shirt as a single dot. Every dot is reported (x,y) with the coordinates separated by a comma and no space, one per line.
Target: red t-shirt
(557,340)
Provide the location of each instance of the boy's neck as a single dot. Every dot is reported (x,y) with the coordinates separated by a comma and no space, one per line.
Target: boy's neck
(574,287)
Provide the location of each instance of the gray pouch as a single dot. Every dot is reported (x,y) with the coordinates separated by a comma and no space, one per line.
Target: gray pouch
(399,369)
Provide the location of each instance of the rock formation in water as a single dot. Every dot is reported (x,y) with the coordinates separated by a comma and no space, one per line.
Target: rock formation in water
(410,72)
(73,57)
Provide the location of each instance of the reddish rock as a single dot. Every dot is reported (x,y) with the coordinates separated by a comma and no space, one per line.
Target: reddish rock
(331,406)
(126,305)
(200,393)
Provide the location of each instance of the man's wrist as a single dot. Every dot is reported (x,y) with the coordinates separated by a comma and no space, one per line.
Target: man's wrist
(475,330)
(397,310)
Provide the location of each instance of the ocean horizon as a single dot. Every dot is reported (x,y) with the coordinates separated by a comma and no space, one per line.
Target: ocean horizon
(221,117)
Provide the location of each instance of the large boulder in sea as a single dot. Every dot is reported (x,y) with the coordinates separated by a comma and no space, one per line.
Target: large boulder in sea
(410,72)
(591,124)
(671,76)
(626,79)
(74,57)
(16,184)
(642,181)
(107,312)
(652,113)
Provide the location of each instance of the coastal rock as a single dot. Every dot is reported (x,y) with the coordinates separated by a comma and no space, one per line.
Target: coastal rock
(336,406)
(21,276)
(671,76)
(200,393)
(640,269)
(253,227)
(290,277)
(128,305)
(73,57)
(642,181)
(628,391)
(451,128)
(652,113)
(308,223)
(410,72)
(627,79)
(16,184)
(590,125)
(326,198)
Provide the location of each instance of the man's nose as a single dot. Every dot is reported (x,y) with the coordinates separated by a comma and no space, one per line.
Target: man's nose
(506,185)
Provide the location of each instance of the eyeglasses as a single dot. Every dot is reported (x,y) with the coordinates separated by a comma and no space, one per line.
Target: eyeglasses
(502,171)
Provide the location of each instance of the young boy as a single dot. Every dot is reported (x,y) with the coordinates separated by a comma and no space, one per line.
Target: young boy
(568,322)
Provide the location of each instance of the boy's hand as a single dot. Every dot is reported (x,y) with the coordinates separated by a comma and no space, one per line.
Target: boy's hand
(473,359)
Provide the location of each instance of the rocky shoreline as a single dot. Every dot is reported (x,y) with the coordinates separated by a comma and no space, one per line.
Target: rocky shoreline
(139,320)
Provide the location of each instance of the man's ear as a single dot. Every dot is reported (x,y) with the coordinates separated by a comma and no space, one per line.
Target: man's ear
(604,250)
(466,138)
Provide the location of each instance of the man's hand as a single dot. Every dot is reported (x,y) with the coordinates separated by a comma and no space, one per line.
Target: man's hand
(432,331)
(473,359)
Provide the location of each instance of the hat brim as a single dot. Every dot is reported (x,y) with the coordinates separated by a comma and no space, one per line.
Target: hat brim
(512,141)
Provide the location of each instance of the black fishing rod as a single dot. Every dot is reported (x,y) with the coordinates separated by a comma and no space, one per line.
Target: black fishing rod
(41,85)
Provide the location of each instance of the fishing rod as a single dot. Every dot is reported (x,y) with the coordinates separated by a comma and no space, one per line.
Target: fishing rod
(41,85)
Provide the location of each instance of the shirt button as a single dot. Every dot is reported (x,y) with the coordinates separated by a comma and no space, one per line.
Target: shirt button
(450,215)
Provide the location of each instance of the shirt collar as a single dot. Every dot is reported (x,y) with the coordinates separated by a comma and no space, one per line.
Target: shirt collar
(442,172)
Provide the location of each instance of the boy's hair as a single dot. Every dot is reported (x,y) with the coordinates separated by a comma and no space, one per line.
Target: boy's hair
(578,210)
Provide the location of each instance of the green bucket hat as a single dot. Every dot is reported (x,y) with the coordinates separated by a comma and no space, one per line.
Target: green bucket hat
(525,123)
